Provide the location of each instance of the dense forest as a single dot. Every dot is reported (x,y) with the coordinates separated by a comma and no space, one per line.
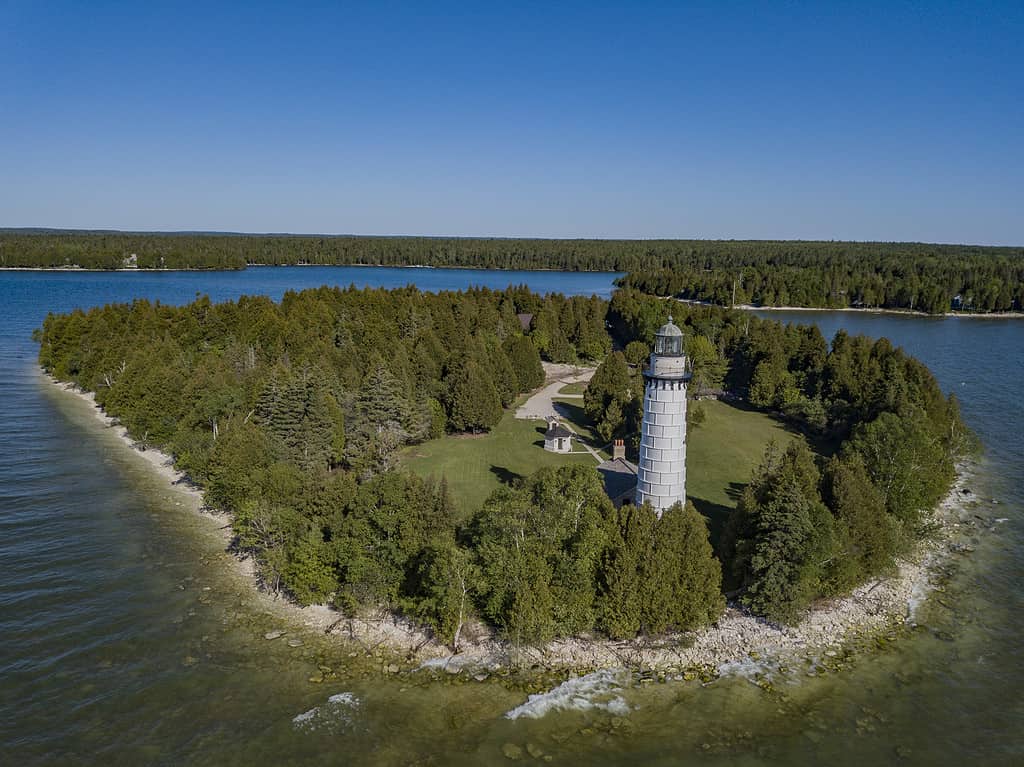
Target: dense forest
(290,416)
(929,278)
(931,282)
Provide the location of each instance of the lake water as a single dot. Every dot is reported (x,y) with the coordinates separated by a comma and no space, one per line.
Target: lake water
(127,637)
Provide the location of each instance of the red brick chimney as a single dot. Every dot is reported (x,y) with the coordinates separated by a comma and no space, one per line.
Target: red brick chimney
(618,449)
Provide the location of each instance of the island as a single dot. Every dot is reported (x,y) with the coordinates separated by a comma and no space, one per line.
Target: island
(723,470)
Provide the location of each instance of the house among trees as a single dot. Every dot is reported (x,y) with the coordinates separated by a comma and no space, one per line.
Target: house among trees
(558,438)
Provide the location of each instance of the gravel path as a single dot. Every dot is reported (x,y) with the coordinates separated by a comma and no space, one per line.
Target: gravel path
(542,406)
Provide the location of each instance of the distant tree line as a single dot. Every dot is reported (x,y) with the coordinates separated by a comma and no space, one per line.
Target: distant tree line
(291,416)
(931,279)
(770,273)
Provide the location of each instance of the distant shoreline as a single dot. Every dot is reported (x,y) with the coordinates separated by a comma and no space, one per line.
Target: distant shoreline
(856,310)
(291,266)
(692,302)
(109,271)
(829,633)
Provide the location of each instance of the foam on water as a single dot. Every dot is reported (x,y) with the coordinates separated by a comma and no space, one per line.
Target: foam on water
(438,663)
(451,663)
(598,691)
(335,714)
(746,668)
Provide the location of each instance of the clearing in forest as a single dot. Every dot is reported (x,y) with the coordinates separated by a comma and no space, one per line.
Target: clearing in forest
(723,451)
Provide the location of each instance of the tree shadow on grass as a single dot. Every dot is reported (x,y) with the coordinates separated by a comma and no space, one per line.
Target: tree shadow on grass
(506,476)
(716,514)
(573,413)
(542,430)
(735,490)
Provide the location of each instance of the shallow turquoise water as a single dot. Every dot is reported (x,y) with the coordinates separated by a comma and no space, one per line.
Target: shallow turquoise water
(113,651)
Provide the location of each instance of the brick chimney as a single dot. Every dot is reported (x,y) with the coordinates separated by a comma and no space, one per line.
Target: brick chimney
(618,449)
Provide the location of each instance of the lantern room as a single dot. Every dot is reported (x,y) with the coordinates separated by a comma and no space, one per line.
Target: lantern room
(668,341)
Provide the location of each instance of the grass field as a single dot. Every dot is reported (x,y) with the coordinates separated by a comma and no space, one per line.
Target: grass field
(574,388)
(722,453)
(476,466)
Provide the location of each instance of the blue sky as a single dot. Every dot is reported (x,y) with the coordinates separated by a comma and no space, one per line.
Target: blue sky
(888,121)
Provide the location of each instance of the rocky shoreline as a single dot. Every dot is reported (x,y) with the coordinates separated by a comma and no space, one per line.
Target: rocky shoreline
(874,613)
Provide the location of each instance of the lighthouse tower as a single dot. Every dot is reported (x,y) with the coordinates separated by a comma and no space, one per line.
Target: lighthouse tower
(661,473)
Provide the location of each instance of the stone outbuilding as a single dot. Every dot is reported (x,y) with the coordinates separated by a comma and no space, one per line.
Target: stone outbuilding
(558,438)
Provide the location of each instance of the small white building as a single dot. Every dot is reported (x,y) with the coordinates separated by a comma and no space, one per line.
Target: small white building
(558,438)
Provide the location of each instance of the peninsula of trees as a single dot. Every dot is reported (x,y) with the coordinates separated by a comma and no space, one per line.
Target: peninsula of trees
(290,416)
(910,276)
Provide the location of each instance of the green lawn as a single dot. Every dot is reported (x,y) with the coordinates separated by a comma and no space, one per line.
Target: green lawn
(574,388)
(477,465)
(722,453)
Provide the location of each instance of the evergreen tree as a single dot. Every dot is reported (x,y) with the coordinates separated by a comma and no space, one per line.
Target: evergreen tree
(336,416)
(379,423)
(658,574)
(684,576)
(787,554)
(779,539)
(295,409)
(539,548)
(475,404)
(308,569)
(868,538)
(631,532)
(609,396)
(516,576)
(238,459)
(505,379)
(525,361)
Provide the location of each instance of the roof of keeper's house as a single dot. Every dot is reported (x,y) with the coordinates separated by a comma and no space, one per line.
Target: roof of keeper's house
(556,430)
(618,475)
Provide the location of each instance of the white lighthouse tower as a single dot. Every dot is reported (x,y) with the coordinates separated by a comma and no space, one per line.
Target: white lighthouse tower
(661,473)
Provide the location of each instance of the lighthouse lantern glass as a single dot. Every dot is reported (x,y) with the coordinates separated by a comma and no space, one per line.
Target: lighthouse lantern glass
(668,346)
